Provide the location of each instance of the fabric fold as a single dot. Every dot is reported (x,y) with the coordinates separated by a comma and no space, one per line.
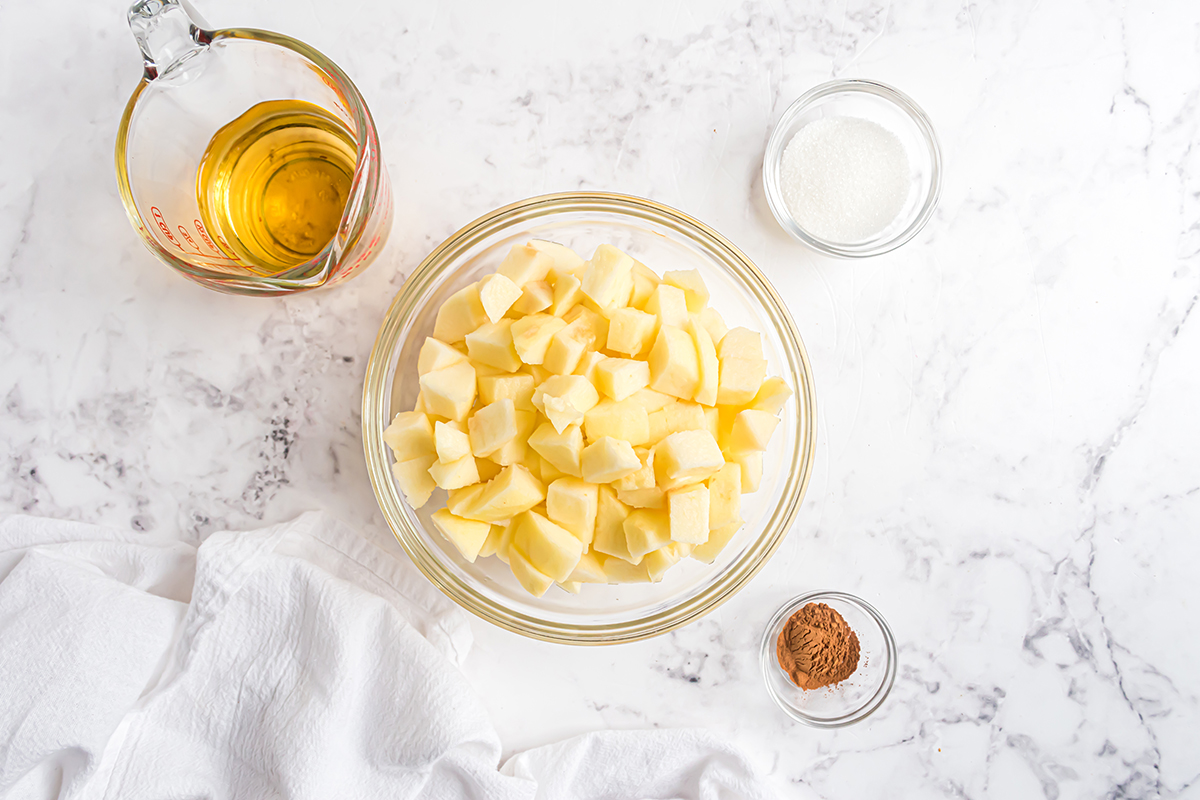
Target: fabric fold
(297,661)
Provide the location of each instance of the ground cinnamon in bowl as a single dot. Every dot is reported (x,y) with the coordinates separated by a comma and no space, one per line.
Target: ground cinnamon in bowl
(817,648)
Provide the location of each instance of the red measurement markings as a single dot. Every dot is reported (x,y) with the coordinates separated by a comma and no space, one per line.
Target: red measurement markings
(165,229)
(204,235)
(225,246)
(341,98)
(187,236)
(162,226)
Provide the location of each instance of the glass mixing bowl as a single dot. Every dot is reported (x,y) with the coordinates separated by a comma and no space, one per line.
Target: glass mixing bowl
(663,239)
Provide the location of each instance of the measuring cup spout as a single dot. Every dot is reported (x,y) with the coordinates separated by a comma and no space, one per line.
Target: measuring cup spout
(169,33)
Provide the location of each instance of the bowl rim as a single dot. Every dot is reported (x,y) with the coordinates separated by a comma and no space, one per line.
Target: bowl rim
(773,155)
(767,659)
(376,398)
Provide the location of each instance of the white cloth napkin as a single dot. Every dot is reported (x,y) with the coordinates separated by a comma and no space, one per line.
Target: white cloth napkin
(298,661)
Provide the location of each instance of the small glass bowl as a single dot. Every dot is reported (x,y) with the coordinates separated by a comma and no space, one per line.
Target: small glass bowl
(887,107)
(853,699)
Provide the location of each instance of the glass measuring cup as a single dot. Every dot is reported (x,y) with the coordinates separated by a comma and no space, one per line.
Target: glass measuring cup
(196,81)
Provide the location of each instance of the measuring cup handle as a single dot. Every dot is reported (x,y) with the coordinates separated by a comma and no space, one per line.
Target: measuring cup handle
(167,31)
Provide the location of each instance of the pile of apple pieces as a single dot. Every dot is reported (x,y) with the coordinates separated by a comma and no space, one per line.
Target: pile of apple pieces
(591,421)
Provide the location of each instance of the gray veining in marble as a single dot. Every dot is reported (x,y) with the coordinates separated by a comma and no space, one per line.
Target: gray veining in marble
(1007,463)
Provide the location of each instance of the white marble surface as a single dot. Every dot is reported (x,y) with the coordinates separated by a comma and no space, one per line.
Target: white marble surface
(1007,461)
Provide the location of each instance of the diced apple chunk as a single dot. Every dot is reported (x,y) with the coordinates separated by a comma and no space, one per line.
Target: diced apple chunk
(771,396)
(741,343)
(621,377)
(512,452)
(515,451)
(435,355)
(624,420)
(467,535)
(646,530)
(497,294)
(549,548)
(651,400)
(532,334)
(492,344)
(608,459)
(740,380)
(644,477)
(651,497)
(688,509)
(693,287)
(495,540)
(607,278)
(572,503)
(512,491)
(504,545)
(530,579)
(562,450)
(659,562)
(588,570)
(610,525)
(589,319)
(568,346)
(518,388)
(618,570)
(714,324)
(568,291)
(492,427)
(686,457)
(450,442)
(414,479)
(674,418)
(751,463)
(710,367)
(564,399)
(631,331)
(463,502)
(450,392)
(459,315)
(548,472)
(587,365)
(531,461)
(409,435)
(669,304)
(455,474)
(718,538)
(725,496)
(536,296)
(674,364)
(565,259)
(752,430)
(644,282)
(486,370)
(638,489)
(524,264)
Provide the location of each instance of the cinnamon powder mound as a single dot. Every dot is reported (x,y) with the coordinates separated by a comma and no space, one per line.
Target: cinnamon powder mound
(817,648)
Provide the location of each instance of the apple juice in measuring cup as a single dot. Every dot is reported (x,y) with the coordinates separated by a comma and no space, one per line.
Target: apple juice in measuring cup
(273,183)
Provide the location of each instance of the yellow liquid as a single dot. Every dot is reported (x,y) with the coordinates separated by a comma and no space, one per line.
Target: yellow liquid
(274,182)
